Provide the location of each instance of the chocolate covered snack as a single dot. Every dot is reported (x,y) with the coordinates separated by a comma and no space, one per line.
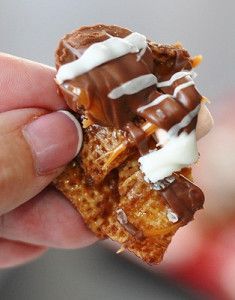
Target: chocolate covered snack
(139,108)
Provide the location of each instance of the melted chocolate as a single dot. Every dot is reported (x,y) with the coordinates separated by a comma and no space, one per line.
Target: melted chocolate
(183,197)
(165,114)
(100,81)
(139,137)
(188,97)
(96,84)
(163,61)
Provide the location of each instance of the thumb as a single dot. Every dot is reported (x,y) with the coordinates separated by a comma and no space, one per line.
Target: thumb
(34,147)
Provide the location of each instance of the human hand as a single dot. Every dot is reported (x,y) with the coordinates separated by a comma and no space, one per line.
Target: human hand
(37,139)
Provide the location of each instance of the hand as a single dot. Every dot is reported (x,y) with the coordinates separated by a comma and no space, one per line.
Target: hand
(37,140)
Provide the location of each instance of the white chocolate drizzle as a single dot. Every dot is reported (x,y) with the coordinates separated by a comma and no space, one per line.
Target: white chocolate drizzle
(141,53)
(178,153)
(133,86)
(182,86)
(174,130)
(175,153)
(137,84)
(101,52)
(176,76)
(161,136)
(156,101)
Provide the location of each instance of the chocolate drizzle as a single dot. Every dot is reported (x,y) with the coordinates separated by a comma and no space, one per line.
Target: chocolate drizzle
(183,197)
(125,112)
(96,84)
(99,82)
(165,114)
(139,138)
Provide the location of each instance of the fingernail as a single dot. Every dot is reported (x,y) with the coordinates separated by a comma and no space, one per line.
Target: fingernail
(54,139)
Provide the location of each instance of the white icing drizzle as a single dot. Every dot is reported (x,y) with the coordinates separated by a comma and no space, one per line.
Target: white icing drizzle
(182,86)
(156,101)
(161,136)
(101,52)
(141,53)
(137,40)
(133,86)
(130,88)
(178,153)
(176,76)
(184,122)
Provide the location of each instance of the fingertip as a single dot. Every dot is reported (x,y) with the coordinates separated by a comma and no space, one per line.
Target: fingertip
(13,253)
(54,140)
(35,147)
(49,219)
(33,84)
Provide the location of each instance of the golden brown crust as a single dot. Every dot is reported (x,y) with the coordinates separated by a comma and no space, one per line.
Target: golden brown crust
(99,142)
(143,207)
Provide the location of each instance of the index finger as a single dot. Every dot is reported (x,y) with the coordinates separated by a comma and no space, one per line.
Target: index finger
(24,83)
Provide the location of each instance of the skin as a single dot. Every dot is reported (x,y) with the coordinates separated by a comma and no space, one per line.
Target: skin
(33,215)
